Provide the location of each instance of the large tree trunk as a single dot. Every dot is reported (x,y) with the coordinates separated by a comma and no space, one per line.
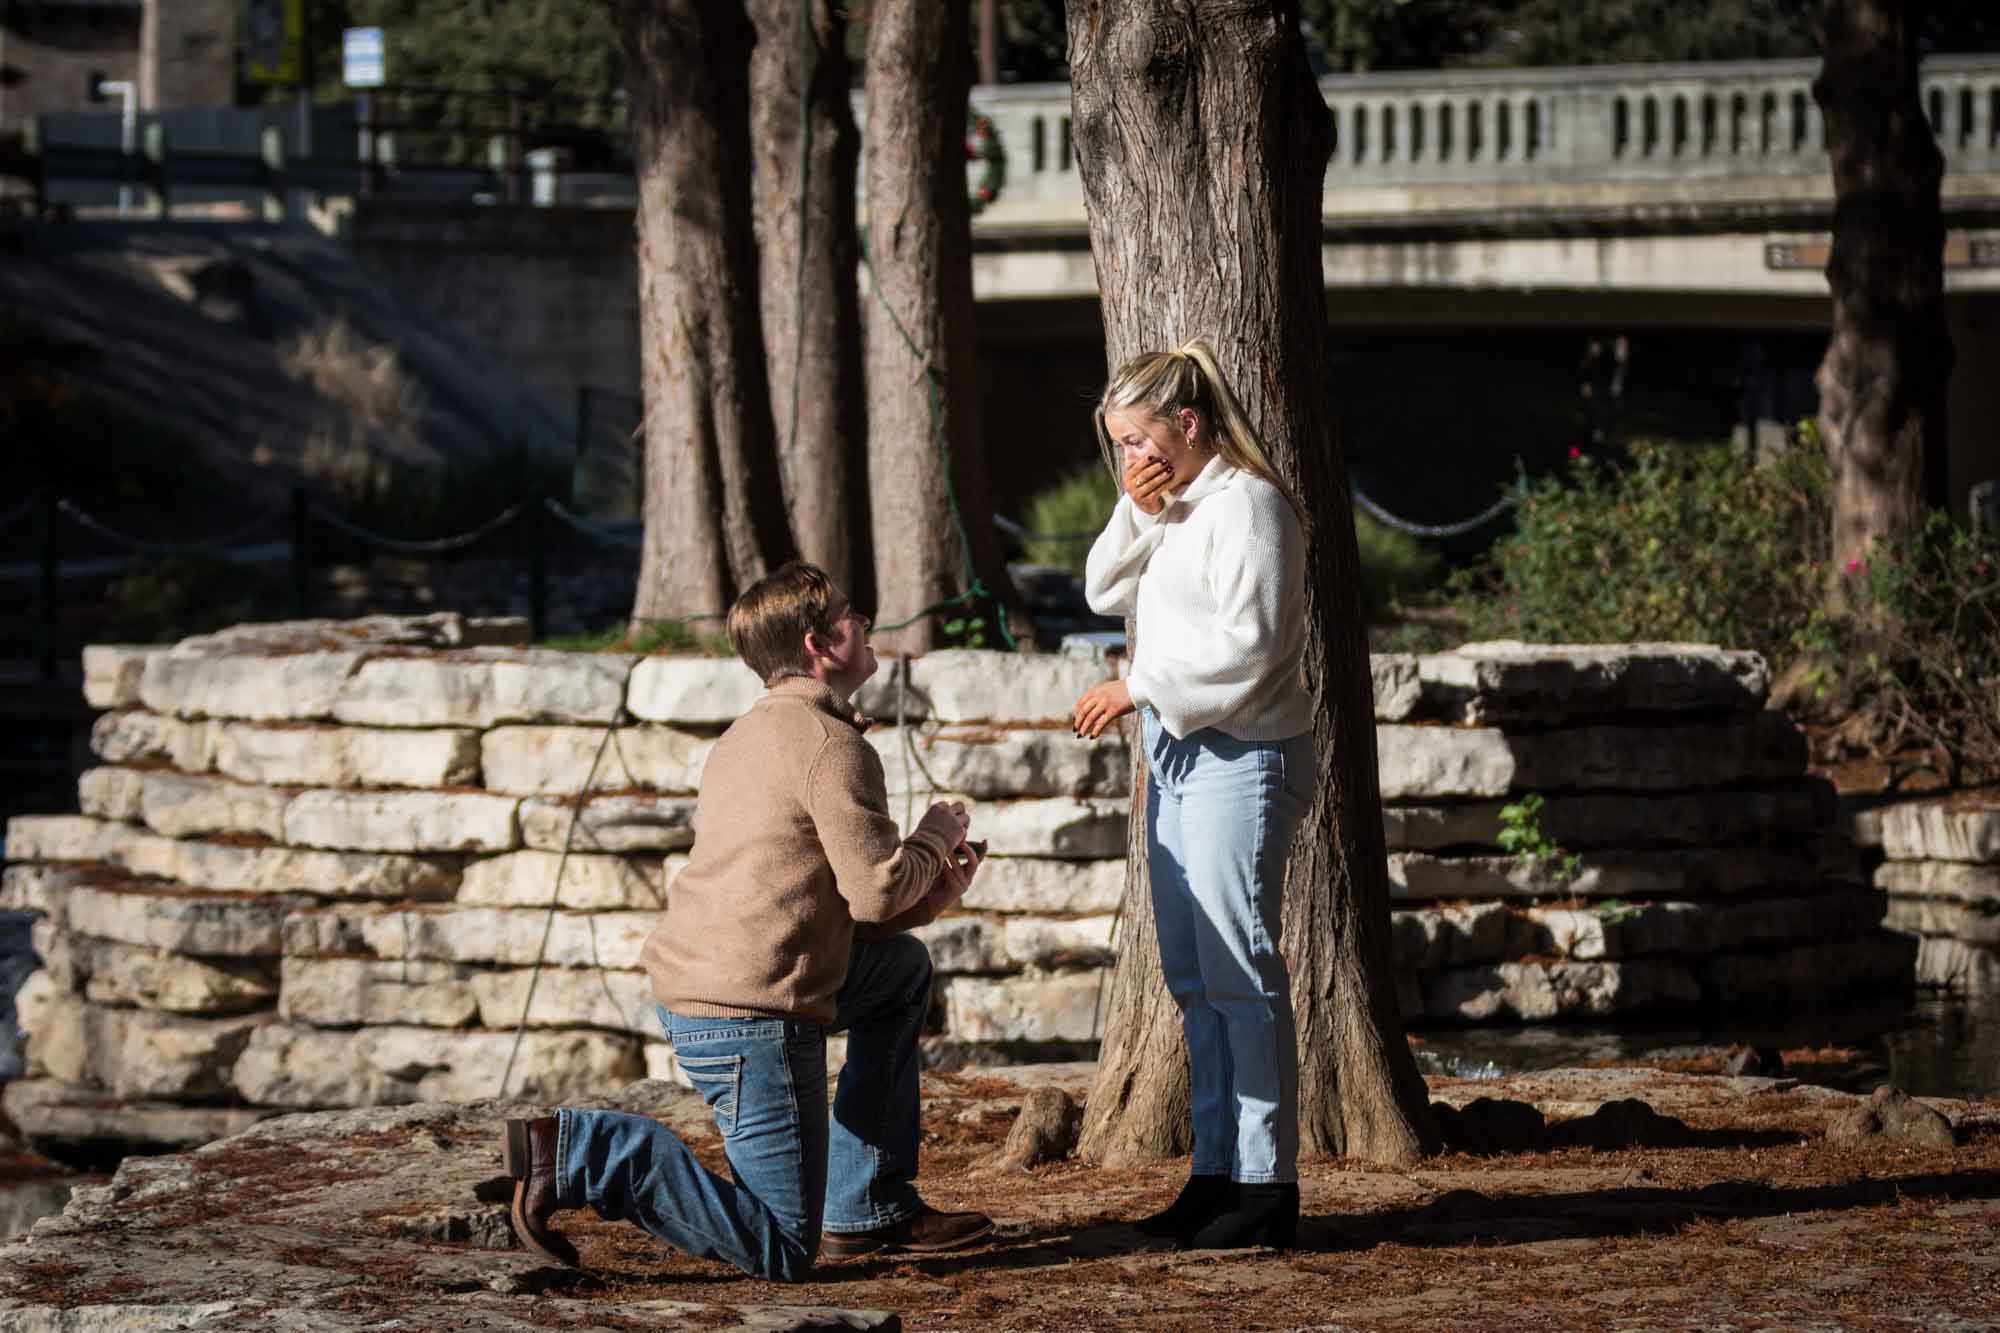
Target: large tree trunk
(926,477)
(1202,141)
(802,188)
(1882,386)
(714,519)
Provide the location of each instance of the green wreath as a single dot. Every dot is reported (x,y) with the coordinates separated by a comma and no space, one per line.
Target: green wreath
(983,145)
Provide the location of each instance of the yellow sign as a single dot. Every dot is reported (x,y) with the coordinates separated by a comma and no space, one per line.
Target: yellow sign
(274,41)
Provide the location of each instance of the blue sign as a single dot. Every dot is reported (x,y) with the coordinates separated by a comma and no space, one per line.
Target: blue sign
(363,57)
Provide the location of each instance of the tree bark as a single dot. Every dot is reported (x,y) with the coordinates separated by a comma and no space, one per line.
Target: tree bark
(930,514)
(714,522)
(1202,141)
(802,190)
(1883,382)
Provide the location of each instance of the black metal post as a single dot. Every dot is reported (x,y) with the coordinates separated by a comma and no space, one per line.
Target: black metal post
(538,566)
(301,558)
(49,622)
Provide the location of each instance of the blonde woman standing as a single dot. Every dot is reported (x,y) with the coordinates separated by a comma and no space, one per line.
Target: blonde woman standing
(1206,547)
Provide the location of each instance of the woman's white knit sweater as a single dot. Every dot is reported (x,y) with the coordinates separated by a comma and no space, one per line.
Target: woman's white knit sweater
(1217,582)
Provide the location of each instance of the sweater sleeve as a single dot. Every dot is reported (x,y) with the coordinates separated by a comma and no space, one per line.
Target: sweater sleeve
(1118,557)
(1255,560)
(880,873)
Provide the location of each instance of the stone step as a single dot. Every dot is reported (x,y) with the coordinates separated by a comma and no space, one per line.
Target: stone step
(588,881)
(1971,924)
(1510,683)
(132,976)
(489,936)
(1957,881)
(1685,819)
(561,761)
(1931,831)
(132,1053)
(61,1118)
(297,1067)
(1698,872)
(233,866)
(1955,965)
(991,763)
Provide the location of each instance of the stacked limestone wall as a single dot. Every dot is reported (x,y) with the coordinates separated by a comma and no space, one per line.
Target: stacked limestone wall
(346,863)
(1941,876)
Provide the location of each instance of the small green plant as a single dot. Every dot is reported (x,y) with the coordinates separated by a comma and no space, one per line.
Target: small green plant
(965,631)
(1071,512)
(1521,833)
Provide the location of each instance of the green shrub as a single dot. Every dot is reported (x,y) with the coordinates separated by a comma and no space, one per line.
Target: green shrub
(701,638)
(1692,543)
(1393,565)
(1926,640)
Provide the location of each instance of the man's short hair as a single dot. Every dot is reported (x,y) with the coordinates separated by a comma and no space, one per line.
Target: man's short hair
(770,621)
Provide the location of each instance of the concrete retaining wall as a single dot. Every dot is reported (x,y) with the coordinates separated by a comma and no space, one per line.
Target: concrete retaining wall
(346,862)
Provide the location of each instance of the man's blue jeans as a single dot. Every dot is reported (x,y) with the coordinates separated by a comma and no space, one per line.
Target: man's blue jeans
(796,1170)
(1220,814)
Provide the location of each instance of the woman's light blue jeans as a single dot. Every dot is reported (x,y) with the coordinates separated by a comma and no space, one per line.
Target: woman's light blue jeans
(1220,814)
(796,1171)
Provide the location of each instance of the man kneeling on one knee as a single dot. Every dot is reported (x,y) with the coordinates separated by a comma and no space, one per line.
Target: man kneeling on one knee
(787,923)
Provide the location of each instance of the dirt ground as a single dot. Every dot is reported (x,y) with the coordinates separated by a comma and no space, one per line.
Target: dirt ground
(1760,1224)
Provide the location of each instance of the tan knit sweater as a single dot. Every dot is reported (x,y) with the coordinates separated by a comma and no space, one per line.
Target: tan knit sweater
(793,846)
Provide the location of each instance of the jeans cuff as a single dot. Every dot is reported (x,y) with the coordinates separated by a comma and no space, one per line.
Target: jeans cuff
(856,1228)
(563,1131)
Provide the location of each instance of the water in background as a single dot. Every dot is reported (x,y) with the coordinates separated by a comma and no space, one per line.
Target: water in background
(1937,1046)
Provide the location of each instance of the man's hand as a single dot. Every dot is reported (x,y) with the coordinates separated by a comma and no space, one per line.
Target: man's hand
(956,877)
(1146,481)
(947,821)
(1100,706)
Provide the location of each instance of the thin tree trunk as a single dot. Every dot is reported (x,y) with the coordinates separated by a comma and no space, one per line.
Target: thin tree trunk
(1203,141)
(802,188)
(926,478)
(714,519)
(1883,382)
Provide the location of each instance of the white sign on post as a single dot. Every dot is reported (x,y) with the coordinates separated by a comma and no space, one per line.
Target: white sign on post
(363,62)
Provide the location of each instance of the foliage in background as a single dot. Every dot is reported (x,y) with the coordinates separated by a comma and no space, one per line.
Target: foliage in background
(653,636)
(1927,643)
(1521,833)
(1690,543)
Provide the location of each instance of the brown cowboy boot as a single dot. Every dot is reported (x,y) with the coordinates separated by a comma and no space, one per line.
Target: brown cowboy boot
(530,1150)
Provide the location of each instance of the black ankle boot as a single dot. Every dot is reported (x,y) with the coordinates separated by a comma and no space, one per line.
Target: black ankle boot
(1259,1215)
(1200,1200)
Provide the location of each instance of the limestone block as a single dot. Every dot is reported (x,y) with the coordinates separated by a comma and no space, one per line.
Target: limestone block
(111,973)
(1743,751)
(1952,964)
(1690,819)
(1928,831)
(965,944)
(109,792)
(1396,685)
(1063,1007)
(483,687)
(1505,682)
(35,888)
(1535,992)
(1671,872)
(997,763)
(1761,923)
(51,1019)
(1922,916)
(1955,880)
(415,821)
(178,921)
(493,935)
(1058,826)
(1441,936)
(350,992)
(292,1066)
(1592,933)
(316,932)
(1878,964)
(177,805)
(1046,885)
(1039,942)
(589,882)
(974,685)
(568,997)
(434,630)
(889,697)
(287,687)
(139,1053)
(635,823)
(57,949)
(347,756)
(64,838)
(112,672)
(691,691)
(559,760)
(1417,762)
(135,734)
(55,1116)
(215,865)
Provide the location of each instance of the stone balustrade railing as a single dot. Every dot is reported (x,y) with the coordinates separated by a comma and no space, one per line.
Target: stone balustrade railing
(1588,125)
(346,863)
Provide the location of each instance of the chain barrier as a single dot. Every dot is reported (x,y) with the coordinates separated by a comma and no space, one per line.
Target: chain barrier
(97,527)
(434,546)
(620,532)
(1479,520)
